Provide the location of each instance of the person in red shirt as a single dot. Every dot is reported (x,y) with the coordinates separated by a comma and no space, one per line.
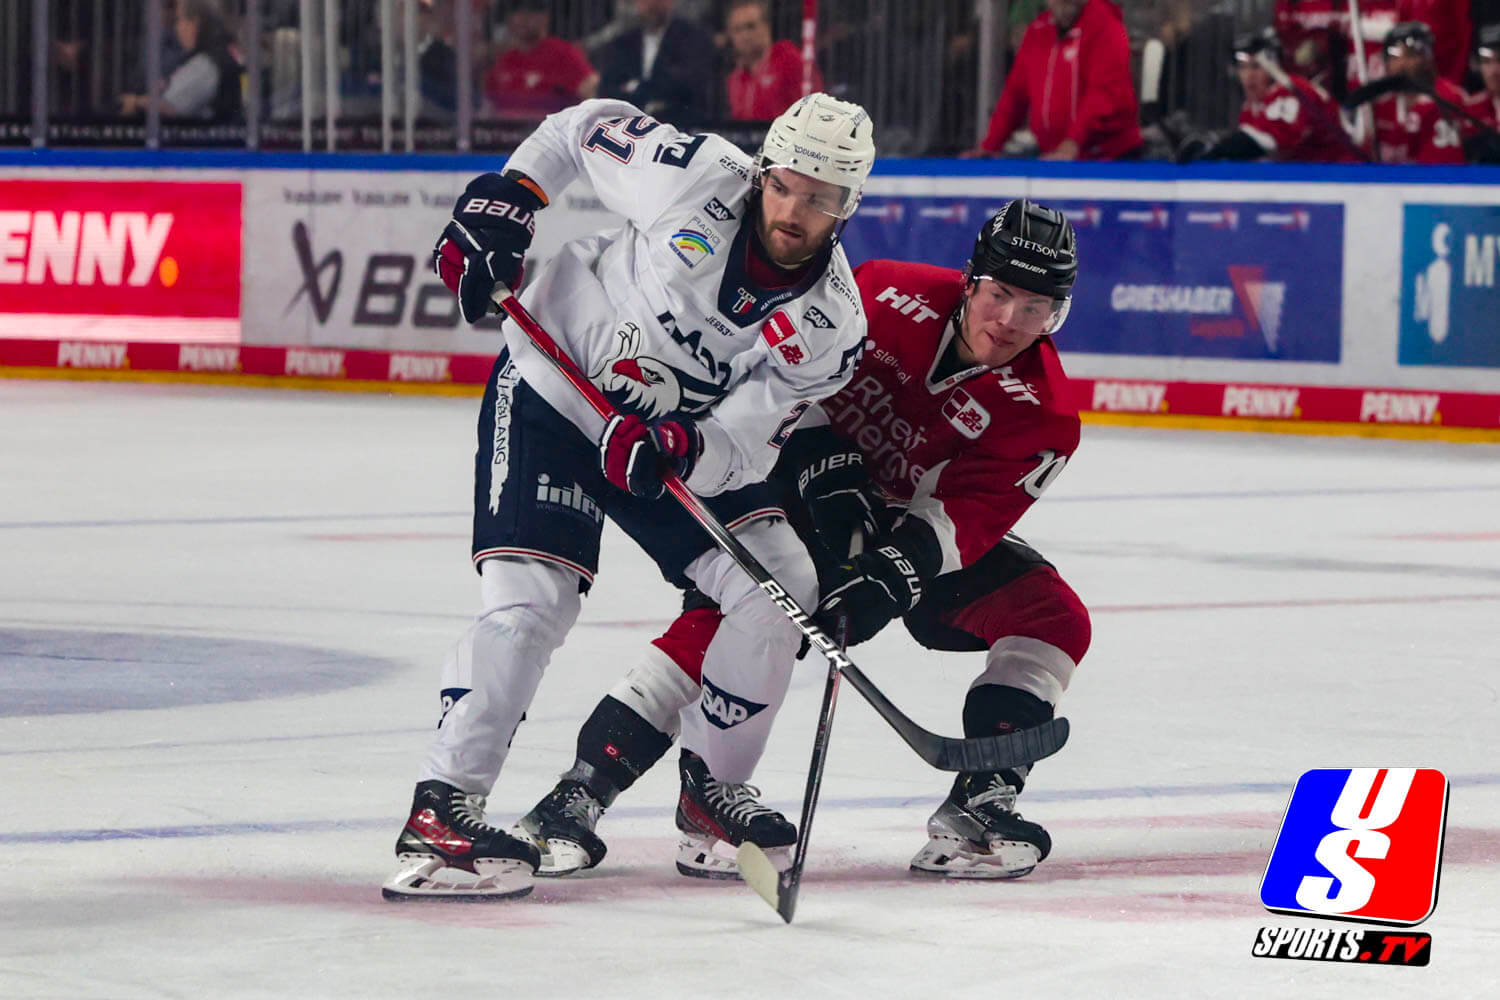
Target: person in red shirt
(536,74)
(1411,127)
(1486,103)
(767,78)
(1309,33)
(1291,119)
(1452,33)
(1071,84)
(957,419)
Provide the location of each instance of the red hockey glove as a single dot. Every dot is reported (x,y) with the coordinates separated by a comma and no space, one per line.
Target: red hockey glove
(636,455)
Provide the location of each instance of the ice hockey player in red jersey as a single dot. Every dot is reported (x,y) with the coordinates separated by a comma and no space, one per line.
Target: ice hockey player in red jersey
(1411,127)
(1291,119)
(956,421)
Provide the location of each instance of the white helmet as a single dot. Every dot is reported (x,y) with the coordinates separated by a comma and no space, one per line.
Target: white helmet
(825,138)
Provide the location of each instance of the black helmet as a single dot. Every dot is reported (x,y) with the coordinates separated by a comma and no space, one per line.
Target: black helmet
(1413,35)
(1248,46)
(1029,246)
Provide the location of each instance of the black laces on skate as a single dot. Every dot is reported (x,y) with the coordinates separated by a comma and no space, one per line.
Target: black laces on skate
(737,801)
(468,812)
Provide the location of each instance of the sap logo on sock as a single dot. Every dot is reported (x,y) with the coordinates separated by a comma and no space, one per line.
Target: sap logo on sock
(450,698)
(1363,843)
(724,709)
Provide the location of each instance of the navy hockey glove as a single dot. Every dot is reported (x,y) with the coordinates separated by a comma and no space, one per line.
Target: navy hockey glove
(881,583)
(635,455)
(831,481)
(486,241)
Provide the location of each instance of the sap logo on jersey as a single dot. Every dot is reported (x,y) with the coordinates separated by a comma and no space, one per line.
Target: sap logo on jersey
(724,709)
(719,210)
(964,413)
(817,319)
(450,697)
(1361,843)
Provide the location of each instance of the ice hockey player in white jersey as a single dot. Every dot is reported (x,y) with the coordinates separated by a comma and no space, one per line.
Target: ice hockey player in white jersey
(719,312)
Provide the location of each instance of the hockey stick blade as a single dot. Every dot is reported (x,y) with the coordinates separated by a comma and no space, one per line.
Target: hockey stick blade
(762,876)
(976,753)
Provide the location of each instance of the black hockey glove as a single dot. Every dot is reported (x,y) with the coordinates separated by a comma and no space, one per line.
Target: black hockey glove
(881,583)
(635,455)
(831,480)
(486,241)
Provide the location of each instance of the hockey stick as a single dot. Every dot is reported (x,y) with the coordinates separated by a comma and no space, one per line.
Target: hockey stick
(946,753)
(778,888)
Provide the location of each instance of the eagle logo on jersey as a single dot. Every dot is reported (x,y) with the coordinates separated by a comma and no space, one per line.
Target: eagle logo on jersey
(647,386)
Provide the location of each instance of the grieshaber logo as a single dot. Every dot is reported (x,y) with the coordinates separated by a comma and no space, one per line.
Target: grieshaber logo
(724,709)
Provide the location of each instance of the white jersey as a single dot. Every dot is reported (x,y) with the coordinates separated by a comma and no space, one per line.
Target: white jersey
(662,314)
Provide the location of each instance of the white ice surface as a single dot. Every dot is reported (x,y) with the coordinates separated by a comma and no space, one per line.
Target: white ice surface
(1262,605)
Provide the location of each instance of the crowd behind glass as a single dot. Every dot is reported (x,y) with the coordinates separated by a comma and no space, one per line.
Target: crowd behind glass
(1404,81)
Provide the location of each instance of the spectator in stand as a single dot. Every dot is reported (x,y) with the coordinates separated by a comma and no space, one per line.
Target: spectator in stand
(1484,146)
(665,66)
(1071,82)
(1486,104)
(206,84)
(1410,126)
(1311,36)
(535,73)
(1284,117)
(1452,33)
(767,78)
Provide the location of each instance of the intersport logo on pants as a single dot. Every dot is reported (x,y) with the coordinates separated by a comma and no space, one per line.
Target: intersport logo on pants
(120,249)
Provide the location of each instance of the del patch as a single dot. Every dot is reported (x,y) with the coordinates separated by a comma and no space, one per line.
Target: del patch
(787,345)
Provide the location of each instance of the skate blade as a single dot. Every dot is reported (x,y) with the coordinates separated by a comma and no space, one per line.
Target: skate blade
(709,857)
(953,858)
(426,878)
(561,858)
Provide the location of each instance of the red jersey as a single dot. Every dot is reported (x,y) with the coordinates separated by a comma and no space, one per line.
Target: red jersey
(1072,85)
(1300,123)
(1413,128)
(1307,30)
(1451,30)
(967,453)
(772,85)
(1485,106)
(1312,32)
(533,83)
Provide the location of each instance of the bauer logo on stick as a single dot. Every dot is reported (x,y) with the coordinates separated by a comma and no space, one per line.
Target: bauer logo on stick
(1363,843)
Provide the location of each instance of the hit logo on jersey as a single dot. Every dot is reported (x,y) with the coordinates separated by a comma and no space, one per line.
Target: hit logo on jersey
(1361,843)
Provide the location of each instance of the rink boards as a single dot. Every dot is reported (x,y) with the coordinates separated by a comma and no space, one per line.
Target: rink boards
(1310,299)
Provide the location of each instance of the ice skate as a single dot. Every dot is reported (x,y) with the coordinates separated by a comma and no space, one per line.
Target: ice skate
(448,852)
(977,833)
(561,827)
(715,817)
